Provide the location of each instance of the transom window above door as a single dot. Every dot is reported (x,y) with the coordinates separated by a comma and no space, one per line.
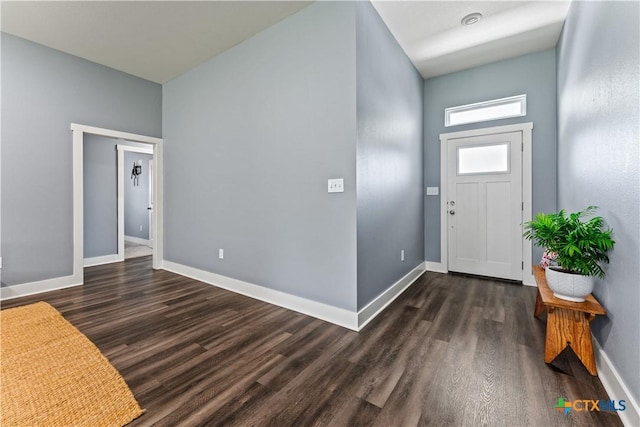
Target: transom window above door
(503,108)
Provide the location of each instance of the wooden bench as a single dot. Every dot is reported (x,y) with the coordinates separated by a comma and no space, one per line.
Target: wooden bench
(567,323)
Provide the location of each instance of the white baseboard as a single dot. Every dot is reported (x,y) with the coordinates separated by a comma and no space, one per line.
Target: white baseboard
(436,267)
(137,240)
(529,280)
(615,386)
(105,259)
(338,316)
(16,291)
(375,307)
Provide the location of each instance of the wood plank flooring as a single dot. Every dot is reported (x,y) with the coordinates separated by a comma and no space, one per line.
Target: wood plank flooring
(451,351)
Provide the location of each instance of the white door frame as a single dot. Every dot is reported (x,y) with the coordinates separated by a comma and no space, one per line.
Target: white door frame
(150,201)
(121,149)
(78,132)
(526,129)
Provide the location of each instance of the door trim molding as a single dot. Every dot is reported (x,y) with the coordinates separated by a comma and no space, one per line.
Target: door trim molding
(526,130)
(78,132)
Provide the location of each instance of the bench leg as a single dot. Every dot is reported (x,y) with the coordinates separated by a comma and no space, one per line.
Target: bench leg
(539,308)
(566,327)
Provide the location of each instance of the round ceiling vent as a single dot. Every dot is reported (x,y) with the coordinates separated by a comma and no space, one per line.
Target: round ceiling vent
(471,18)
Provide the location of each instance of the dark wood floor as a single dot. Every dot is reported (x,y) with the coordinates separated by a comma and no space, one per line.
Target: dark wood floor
(451,351)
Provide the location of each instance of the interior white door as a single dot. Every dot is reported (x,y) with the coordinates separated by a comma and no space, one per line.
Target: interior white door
(484,205)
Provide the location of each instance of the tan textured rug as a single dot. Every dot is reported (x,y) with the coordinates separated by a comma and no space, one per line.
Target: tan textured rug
(51,374)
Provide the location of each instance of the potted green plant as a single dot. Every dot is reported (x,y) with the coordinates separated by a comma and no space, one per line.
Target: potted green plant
(580,245)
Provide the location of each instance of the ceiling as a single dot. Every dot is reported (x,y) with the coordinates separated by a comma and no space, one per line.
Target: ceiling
(159,40)
(431,33)
(155,40)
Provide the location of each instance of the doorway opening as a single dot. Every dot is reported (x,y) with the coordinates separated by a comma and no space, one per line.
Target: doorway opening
(135,200)
(155,227)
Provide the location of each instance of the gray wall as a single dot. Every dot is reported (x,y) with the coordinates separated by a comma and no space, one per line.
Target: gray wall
(251,138)
(532,74)
(100,196)
(136,199)
(598,128)
(389,158)
(43,92)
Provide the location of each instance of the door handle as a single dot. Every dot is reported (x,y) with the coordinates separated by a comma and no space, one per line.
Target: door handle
(149,208)
(452,212)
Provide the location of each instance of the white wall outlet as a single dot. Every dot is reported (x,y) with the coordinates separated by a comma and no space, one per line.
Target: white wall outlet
(336,185)
(221,253)
(402,255)
(140,227)
(433,191)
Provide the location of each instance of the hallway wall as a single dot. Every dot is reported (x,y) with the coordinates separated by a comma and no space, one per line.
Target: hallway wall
(599,158)
(251,137)
(389,157)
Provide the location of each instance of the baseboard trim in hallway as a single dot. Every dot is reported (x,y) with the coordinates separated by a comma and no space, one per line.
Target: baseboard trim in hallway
(137,240)
(335,315)
(615,387)
(100,260)
(375,307)
(25,289)
(338,316)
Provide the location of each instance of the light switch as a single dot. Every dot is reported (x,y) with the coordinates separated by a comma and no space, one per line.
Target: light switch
(336,185)
(432,191)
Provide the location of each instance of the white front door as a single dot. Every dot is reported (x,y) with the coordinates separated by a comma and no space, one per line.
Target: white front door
(484,205)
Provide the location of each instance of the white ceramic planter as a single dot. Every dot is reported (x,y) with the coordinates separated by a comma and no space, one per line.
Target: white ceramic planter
(568,286)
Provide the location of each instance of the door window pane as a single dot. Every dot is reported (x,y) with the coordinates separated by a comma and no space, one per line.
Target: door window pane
(482,159)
